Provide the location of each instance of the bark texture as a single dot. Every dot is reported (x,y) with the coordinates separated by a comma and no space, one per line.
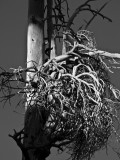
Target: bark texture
(35,140)
(35,36)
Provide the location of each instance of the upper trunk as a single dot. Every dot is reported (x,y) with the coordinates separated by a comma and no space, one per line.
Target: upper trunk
(35,36)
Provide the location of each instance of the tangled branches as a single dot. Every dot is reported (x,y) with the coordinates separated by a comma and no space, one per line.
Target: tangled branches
(59,20)
(73,96)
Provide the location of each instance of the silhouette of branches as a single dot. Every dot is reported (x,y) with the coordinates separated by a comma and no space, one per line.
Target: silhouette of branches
(17,136)
(95,14)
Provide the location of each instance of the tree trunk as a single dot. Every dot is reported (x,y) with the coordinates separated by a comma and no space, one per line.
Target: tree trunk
(34,139)
(50,30)
(35,36)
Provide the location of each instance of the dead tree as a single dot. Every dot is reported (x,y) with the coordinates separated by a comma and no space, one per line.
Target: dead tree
(69,100)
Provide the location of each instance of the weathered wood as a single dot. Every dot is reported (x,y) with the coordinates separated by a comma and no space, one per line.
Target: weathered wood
(35,35)
(35,139)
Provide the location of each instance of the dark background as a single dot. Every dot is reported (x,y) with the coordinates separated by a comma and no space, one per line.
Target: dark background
(13,31)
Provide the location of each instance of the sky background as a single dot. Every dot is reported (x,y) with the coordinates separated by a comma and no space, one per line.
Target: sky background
(13,32)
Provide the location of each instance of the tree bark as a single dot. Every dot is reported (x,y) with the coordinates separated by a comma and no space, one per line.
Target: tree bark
(34,140)
(50,30)
(35,35)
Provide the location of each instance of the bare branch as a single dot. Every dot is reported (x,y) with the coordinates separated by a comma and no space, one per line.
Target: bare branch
(90,21)
(86,7)
(17,137)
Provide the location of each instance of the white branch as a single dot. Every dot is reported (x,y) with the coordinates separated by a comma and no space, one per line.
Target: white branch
(104,53)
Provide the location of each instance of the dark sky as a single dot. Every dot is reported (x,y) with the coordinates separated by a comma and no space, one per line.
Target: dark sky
(13,31)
